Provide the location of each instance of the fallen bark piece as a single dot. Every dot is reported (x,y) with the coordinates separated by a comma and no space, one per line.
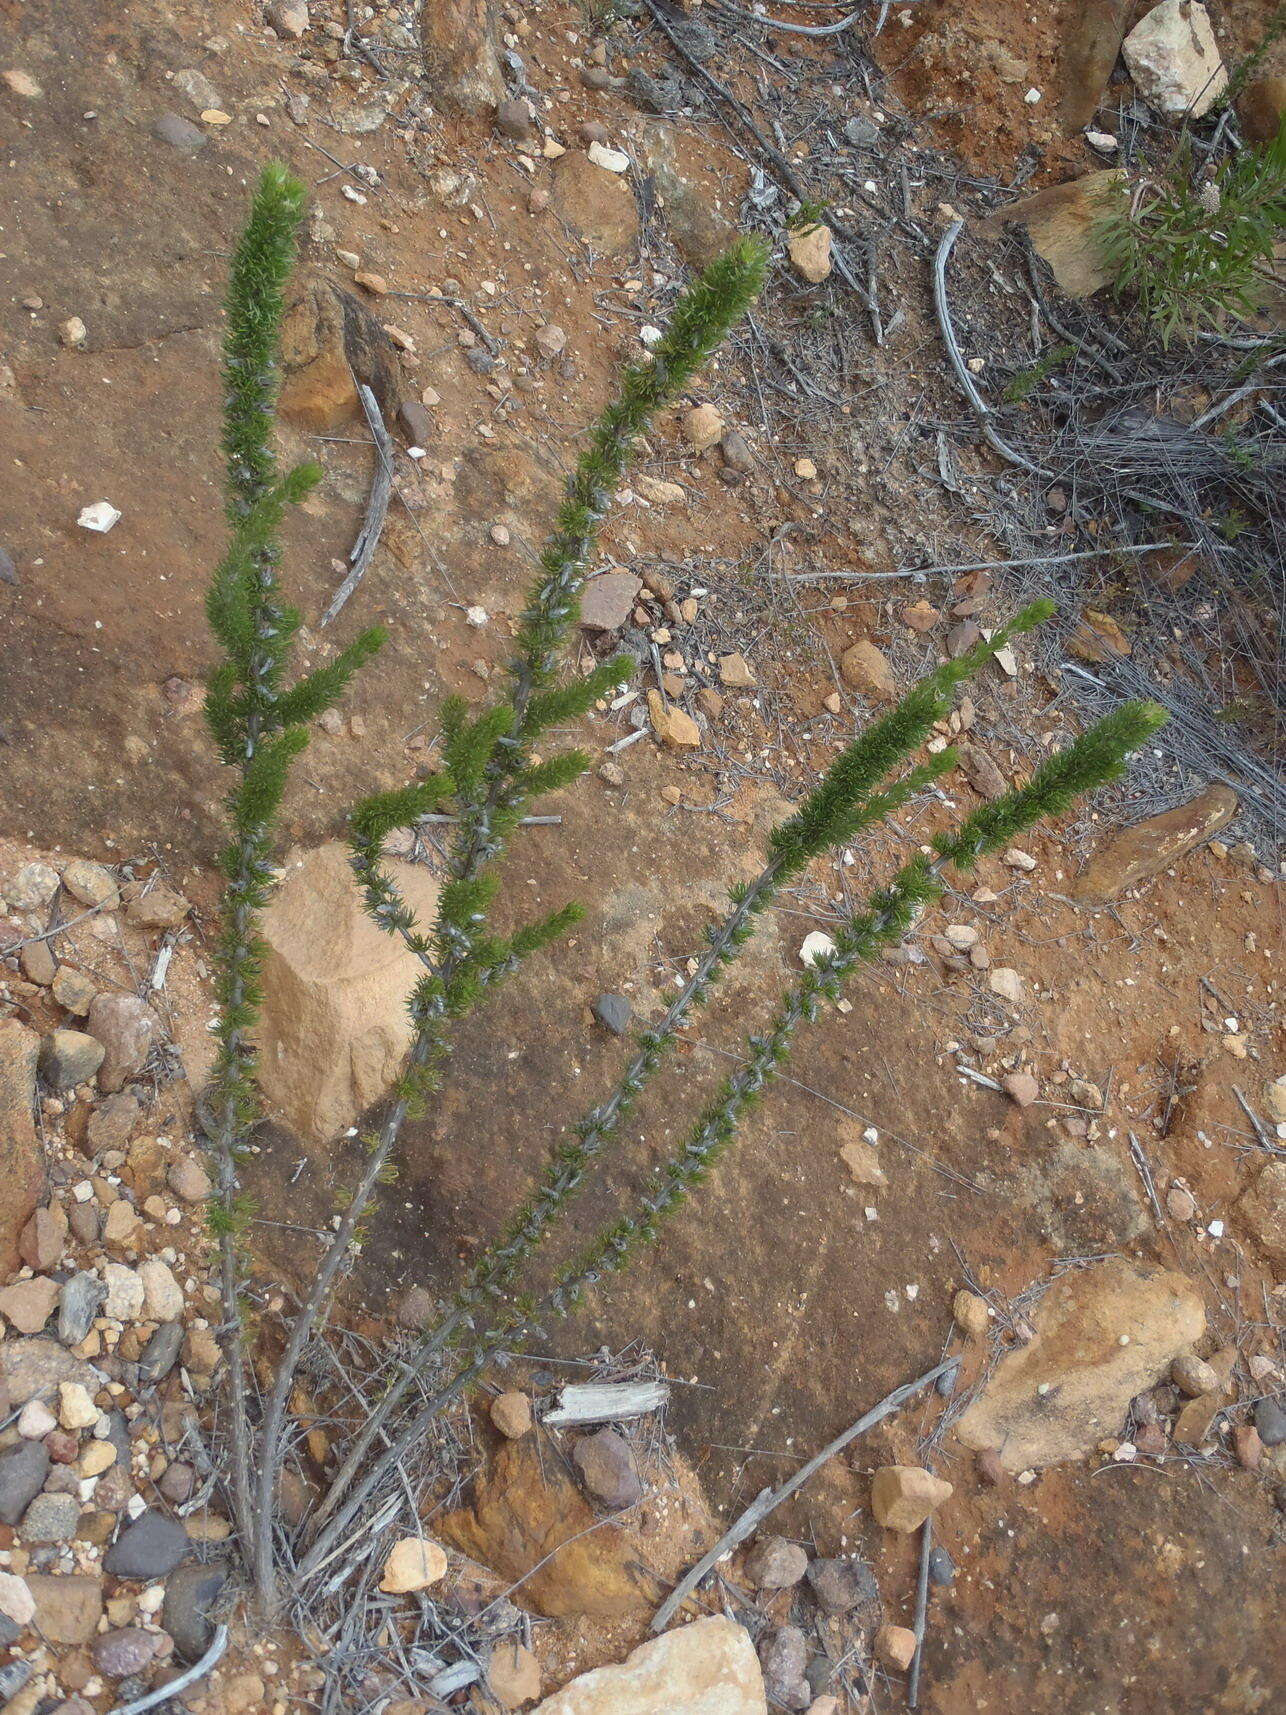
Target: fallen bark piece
(607,1402)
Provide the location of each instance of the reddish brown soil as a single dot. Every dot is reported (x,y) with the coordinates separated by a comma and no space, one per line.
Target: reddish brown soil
(771,1294)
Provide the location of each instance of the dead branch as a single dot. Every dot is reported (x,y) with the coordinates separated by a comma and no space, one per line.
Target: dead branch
(363,548)
(770,1499)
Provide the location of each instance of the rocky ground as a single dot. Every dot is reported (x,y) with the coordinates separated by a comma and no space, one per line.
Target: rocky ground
(1044,1137)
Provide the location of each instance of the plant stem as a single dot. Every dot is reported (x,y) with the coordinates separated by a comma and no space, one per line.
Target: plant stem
(842,804)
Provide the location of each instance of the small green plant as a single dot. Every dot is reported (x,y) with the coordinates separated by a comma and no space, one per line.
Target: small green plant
(1197,255)
(1024,382)
(490,775)
(1247,458)
(488,779)
(484,1319)
(808,215)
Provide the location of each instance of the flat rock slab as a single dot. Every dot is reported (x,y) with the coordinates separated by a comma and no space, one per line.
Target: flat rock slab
(707,1668)
(606,602)
(598,206)
(68,1608)
(1061,221)
(1136,854)
(1103,1334)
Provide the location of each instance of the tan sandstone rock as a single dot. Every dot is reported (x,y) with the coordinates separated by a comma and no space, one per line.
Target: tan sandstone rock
(895,1646)
(672,725)
(706,1668)
(810,253)
(1103,1334)
(1063,224)
(334,1024)
(20,1161)
(1142,851)
(413,1564)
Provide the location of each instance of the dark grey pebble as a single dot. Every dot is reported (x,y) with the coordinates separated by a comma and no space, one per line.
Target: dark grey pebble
(22,1476)
(942,1568)
(77,1306)
(179,133)
(1270,1421)
(861,132)
(13,1676)
(151,1547)
(161,1352)
(191,1592)
(125,1652)
(613,1012)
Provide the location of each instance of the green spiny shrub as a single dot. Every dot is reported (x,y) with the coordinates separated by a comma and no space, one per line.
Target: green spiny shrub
(490,776)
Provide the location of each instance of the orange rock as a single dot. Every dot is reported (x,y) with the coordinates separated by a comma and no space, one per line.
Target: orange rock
(528,1521)
(673,726)
(903,1496)
(864,668)
(895,1646)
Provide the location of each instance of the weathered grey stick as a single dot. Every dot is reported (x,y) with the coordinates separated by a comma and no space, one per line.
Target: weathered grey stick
(967,384)
(770,1499)
(1261,1130)
(921,1612)
(376,507)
